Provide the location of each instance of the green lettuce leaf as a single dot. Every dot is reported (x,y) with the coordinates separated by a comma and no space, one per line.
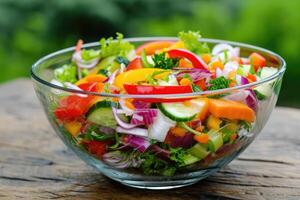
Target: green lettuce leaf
(192,43)
(66,73)
(118,47)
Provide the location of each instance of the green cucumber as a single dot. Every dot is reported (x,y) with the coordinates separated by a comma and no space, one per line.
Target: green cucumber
(244,70)
(178,112)
(101,114)
(110,64)
(265,90)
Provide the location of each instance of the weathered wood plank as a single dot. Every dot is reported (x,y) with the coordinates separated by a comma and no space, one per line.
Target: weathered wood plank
(34,163)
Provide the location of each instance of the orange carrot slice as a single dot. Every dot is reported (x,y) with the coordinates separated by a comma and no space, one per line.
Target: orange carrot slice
(231,110)
(203,138)
(152,47)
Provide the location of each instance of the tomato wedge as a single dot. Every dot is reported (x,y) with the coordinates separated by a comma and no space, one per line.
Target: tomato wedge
(193,58)
(149,89)
(135,64)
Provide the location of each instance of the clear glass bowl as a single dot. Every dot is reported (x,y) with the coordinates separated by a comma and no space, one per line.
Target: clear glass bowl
(49,95)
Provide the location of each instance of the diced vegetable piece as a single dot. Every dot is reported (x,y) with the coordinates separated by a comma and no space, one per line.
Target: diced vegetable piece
(178,131)
(231,110)
(202,138)
(137,75)
(213,122)
(73,127)
(189,159)
(101,114)
(215,140)
(206,58)
(257,60)
(152,47)
(185,63)
(199,151)
(97,148)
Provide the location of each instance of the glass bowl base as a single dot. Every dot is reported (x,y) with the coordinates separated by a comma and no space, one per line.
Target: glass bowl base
(144,185)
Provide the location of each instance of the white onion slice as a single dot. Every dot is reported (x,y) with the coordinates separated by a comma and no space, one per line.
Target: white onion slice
(219,48)
(134,131)
(74,87)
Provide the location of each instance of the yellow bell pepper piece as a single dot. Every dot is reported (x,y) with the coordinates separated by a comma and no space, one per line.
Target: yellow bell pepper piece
(213,122)
(138,75)
(73,127)
(177,45)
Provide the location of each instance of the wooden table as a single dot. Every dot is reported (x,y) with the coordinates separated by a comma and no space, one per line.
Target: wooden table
(34,163)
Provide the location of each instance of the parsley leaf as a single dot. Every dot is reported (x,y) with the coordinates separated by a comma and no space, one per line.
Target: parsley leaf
(192,43)
(152,165)
(177,155)
(118,47)
(218,83)
(161,61)
(245,125)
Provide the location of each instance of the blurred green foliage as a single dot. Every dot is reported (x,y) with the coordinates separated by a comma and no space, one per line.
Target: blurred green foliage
(32,28)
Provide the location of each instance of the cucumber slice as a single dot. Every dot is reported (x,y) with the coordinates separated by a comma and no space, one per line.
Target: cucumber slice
(267,72)
(108,64)
(101,114)
(265,90)
(244,70)
(178,111)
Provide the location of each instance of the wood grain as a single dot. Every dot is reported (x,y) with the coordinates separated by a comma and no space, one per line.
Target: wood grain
(34,163)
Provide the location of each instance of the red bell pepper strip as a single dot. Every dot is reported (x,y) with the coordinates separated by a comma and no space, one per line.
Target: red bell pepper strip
(149,89)
(74,106)
(194,59)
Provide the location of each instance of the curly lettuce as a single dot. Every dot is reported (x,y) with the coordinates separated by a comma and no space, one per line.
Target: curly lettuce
(66,73)
(192,43)
(117,47)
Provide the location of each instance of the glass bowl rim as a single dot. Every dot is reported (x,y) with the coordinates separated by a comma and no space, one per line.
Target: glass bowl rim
(279,73)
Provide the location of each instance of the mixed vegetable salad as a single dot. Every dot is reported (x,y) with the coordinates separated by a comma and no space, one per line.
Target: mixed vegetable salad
(159,136)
